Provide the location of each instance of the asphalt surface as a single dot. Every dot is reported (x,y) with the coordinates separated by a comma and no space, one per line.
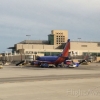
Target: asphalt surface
(32,83)
(30,73)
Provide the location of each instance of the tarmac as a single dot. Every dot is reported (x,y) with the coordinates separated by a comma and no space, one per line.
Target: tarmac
(32,83)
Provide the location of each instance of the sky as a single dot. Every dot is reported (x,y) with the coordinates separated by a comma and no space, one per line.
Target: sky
(37,18)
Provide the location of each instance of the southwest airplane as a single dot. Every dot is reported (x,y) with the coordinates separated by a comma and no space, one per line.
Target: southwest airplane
(56,60)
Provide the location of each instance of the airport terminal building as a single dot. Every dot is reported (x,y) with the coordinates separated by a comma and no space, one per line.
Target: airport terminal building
(55,44)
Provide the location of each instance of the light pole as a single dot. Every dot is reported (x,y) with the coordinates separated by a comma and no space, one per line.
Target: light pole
(79,39)
(27,43)
(28,36)
(28,39)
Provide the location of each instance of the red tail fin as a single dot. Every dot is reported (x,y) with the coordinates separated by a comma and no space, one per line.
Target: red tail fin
(66,49)
(64,53)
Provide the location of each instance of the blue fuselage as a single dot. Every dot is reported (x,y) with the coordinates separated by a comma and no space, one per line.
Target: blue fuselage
(48,58)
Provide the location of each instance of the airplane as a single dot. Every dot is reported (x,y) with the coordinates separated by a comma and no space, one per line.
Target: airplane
(53,60)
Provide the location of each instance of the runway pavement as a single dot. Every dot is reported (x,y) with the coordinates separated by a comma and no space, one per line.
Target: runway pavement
(27,71)
(31,83)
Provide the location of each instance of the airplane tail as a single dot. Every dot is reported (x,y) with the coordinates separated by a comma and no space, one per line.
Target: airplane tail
(64,54)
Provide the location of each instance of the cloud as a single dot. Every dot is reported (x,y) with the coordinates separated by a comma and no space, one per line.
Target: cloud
(38,17)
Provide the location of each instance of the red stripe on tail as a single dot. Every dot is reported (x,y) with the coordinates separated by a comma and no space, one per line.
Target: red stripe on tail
(65,53)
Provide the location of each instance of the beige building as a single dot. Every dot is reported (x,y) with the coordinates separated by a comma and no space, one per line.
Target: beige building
(85,47)
(57,37)
(55,44)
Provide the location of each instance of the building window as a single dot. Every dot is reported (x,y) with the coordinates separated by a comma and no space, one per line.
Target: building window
(26,52)
(63,39)
(83,45)
(98,44)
